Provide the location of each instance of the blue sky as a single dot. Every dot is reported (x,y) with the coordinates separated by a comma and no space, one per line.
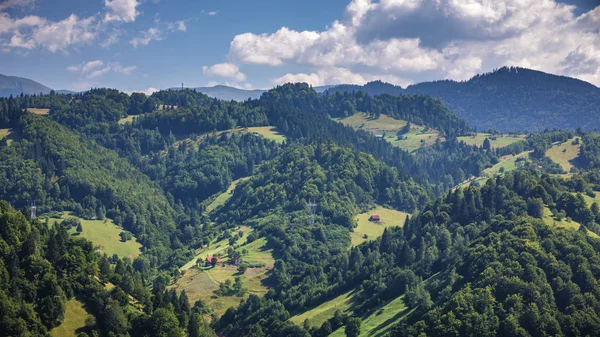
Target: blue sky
(143,45)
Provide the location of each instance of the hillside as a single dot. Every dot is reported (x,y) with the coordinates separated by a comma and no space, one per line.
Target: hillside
(153,185)
(509,99)
(12,85)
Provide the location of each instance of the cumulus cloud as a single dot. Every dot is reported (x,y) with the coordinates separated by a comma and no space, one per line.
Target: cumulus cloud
(97,68)
(121,10)
(337,76)
(225,70)
(147,36)
(32,31)
(424,39)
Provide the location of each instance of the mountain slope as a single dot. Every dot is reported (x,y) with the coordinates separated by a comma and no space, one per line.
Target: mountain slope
(509,99)
(12,85)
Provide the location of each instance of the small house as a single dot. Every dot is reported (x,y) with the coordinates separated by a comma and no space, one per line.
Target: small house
(209,260)
(375,218)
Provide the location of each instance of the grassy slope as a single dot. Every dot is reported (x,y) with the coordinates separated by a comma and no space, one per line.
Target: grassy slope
(223,197)
(325,311)
(390,126)
(75,315)
(269,132)
(509,163)
(378,323)
(8,134)
(564,154)
(589,200)
(200,283)
(501,141)
(216,247)
(565,223)
(389,218)
(129,119)
(106,236)
(39,111)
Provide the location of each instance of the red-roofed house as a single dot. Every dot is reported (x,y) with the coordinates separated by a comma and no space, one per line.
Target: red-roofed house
(209,259)
(374,217)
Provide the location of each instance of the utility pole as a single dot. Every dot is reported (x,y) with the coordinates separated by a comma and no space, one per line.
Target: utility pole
(32,210)
(181,85)
(312,209)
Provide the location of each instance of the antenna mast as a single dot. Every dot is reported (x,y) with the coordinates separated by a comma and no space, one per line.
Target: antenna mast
(32,210)
(312,209)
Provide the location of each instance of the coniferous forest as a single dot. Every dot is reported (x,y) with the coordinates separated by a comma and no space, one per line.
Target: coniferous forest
(495,239)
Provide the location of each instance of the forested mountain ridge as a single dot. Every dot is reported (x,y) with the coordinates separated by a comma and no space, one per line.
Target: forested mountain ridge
(496,265)
(155,173)
(509,99)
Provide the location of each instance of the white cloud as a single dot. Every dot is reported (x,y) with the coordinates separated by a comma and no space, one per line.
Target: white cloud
(226,70)
(337,76)
(147,36)
(5,4)
(148,91)
(211,13)
(271,49)
(423,39)
(121,10)
(98,73)
(97,68)
(177,25)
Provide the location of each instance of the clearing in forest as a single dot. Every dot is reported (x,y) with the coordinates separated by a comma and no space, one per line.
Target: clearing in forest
(74,322)
(200,282)
(496,141)
(129,119)
(565,223)
(387,128)
(269,132)
(39,111)
(106,235)
(589,200)
(318,315)
(374,229)
(379,322)
(8,134)
(506,164)
(223,197)
(565,154)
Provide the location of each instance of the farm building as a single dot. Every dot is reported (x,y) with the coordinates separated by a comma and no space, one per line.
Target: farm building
(209,260)
(375,218)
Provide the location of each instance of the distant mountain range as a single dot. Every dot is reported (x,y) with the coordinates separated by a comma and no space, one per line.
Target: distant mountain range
(226,93)
(12,85)
(507,99)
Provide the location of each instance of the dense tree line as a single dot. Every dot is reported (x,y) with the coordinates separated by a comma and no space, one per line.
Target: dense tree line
(294,110)
(475,262)
(59,170)
(42,267)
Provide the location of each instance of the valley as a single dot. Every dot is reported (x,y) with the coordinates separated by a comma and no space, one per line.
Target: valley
(296,214)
